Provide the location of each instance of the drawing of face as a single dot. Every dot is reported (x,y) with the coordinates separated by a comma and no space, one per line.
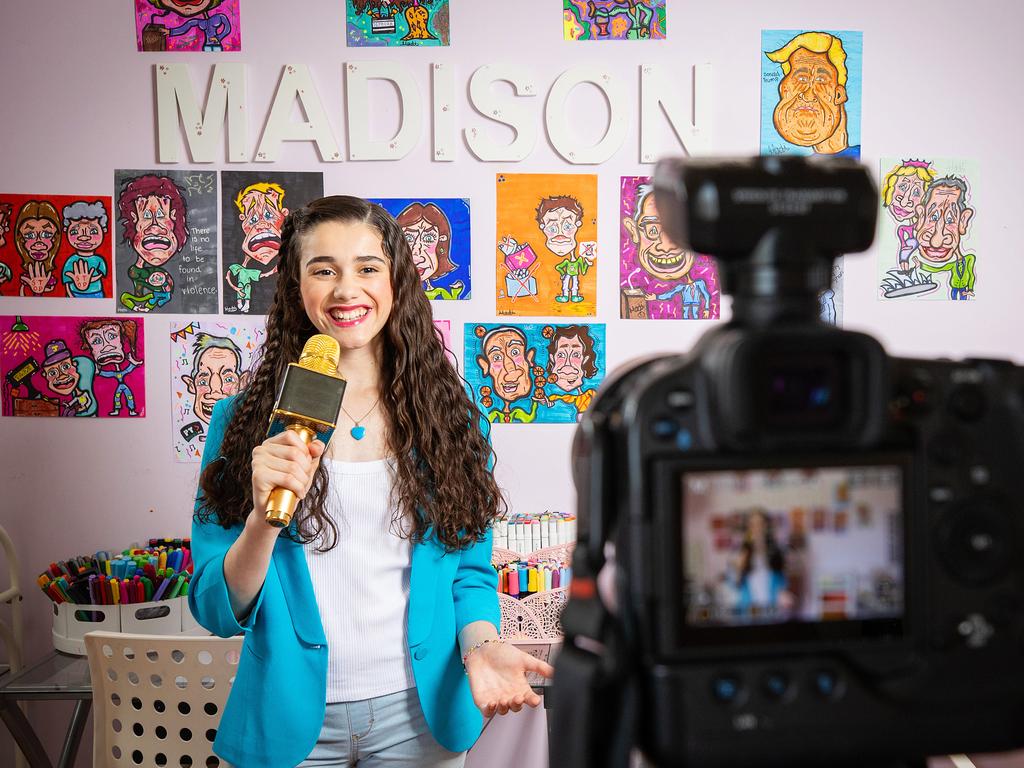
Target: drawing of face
(190,7)
(941,222)
(216,377)
(5,227)
(154,241)
(423,238)
(105,344)
(38,238)
(906,196)
(810,100)
(568,363)
(507,361)
(62,376)
(559,226)
(656,254)
(85,235)
(261,225)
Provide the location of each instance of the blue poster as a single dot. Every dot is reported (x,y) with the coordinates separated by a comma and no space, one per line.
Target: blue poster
(524,373)
(811,92)
(437,230)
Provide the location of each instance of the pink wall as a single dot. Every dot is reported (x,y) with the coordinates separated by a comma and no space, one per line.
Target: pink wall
(79,103)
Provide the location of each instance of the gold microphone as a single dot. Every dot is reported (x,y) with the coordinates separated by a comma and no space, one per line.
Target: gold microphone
(308,404)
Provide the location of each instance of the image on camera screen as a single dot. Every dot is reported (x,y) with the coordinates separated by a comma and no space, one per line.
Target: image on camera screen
(808,544)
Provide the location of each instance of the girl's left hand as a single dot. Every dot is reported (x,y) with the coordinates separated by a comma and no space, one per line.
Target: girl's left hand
(497,678)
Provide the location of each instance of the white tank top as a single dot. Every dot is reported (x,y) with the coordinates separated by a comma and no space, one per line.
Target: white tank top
(362,585)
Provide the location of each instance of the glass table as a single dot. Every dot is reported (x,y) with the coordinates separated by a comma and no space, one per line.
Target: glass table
(55,676)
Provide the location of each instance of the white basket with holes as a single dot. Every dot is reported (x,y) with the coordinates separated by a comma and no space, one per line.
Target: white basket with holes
(162,617)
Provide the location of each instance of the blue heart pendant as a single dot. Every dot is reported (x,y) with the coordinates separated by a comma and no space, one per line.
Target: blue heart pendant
(357,432)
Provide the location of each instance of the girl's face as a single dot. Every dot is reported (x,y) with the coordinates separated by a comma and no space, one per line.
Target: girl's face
(345,282)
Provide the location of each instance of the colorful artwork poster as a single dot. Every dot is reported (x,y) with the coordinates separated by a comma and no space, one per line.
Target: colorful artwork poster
(397,22)
(73,366)
(445,327)
(56,245)
(438,233)
(831,299)
(547,247)
(811,92)
(253,206)
(533,372)
(928,231)
(187,25)
(658,280)
(614,19)
(210,360)
(166,252)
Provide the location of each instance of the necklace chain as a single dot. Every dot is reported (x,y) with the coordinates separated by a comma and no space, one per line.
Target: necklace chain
(358,422)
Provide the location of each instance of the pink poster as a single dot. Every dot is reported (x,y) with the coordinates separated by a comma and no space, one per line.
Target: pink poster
(72,366)
(187,25)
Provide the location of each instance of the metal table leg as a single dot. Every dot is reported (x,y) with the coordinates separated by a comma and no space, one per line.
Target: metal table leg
(23,734)
(74,736)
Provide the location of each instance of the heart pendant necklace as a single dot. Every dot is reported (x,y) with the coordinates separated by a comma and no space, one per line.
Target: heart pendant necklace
(358,432)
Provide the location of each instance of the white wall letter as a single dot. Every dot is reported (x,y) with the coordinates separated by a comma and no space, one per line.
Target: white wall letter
(488,104)
(443,112)
(658,90)
(203,131)
(296,83)
(559,134)
(357,92)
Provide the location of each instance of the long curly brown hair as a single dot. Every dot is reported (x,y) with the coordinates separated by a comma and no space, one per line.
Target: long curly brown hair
(443,482)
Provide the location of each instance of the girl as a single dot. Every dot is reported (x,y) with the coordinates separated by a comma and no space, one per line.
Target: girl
(371,621)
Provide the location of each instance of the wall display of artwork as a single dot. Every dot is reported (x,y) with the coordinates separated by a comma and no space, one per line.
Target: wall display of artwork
(397,22)
(55,245)
(614,19)
(187,25)
(72,366)
(253,206)
(210,360)
(831,299)
(532,372)
(658,280)
(438,233)
(928,232)
(547,247)
(166,252)
(811,92)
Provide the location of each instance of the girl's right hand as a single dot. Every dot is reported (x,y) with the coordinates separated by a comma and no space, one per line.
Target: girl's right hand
(282,461)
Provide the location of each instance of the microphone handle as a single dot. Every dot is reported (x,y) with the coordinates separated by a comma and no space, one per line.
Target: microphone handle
(282,502)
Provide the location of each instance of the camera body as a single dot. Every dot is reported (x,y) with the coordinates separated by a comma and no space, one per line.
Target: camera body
(817,547)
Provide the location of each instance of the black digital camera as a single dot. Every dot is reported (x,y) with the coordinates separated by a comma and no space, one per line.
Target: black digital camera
(817,548)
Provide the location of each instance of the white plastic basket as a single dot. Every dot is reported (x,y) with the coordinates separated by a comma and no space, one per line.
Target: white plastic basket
(162,617)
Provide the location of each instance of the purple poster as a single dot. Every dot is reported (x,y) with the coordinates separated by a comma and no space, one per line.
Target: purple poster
(187,25)
(72,366)
(658,280)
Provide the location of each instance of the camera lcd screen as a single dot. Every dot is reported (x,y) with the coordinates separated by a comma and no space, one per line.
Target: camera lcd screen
(793,545)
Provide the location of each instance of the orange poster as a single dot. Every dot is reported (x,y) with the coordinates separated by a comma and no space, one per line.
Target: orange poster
(547,245)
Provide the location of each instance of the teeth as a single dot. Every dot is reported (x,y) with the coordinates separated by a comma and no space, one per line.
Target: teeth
(355,314)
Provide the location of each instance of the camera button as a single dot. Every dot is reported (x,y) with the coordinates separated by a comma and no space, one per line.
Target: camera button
(776,685)
(828,684)
(967,402)
(727,689)
(664,428)
(680,399)
(980,474)
(940,494)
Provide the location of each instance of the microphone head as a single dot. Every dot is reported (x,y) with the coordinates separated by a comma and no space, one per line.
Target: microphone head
(321,353)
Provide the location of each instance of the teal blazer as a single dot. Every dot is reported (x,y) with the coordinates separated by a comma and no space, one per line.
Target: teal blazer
(277,703)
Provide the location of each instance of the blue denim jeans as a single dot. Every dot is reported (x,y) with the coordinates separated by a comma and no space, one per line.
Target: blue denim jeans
(386,731)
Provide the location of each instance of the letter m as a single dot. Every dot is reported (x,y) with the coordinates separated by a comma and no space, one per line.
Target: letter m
(225,101)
